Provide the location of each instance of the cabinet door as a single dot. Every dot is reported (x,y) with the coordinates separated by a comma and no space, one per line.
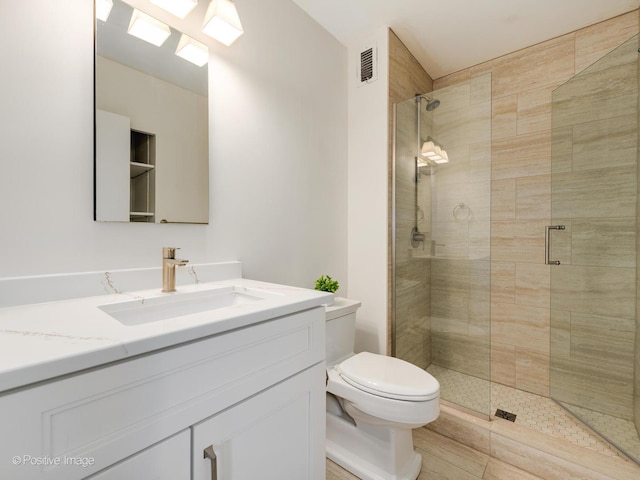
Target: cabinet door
(113,140)
(167,460)
(277,434)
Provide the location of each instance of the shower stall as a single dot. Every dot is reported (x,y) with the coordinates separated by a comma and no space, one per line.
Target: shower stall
(441,244)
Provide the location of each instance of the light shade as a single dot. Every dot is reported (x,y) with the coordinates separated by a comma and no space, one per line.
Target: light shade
(192,50)
(103,9)
(443,157)
(148,28)
(222,22)
(434,152)
(179,8)
(428,149)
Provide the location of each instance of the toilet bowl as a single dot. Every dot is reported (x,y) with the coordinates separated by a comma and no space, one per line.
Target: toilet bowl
(373,403)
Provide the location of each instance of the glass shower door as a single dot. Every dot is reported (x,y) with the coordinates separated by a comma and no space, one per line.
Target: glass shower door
(442,239)
(592,248)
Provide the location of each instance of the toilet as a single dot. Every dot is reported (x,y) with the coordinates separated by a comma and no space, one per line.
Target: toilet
(373,403)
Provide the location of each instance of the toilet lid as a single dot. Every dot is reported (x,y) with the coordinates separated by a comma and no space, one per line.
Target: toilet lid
(388,377)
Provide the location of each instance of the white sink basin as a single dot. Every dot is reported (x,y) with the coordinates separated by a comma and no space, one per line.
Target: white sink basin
(148,310)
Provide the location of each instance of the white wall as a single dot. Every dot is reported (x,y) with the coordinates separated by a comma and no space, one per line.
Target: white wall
(368,194)
(278,125)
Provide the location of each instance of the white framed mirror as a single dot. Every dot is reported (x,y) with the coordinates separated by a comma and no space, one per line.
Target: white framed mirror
(151,127)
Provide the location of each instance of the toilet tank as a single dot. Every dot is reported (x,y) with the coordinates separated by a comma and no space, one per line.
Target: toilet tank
(341,329)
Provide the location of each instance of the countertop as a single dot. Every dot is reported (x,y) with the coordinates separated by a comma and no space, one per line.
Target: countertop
(46,340)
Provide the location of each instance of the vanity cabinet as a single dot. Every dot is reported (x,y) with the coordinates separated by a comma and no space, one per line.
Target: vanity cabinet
(272,436)
(168,460)
(112,166)
(255,394)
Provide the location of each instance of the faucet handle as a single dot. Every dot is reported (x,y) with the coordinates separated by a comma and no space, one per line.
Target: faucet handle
(169,252)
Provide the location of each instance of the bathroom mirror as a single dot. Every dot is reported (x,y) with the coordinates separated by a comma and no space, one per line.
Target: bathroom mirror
(151,128)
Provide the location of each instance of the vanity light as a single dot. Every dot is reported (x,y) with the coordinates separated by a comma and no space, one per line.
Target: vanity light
(148,28)
(179,8)
(437,155)
(222,22)
(444,158)
(428,149)
(103,9)
(434,152)
(192,50)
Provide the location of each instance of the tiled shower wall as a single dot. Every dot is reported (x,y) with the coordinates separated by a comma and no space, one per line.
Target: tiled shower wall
(522,83)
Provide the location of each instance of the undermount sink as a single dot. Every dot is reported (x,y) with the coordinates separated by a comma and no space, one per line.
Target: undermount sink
(148,310)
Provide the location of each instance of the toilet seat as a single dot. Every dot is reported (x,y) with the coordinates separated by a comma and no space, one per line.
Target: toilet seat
(388,377)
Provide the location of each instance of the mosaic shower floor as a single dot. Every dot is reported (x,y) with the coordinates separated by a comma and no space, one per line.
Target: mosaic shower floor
(536,412)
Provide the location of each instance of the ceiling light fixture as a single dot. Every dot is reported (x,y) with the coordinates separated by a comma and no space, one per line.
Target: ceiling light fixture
(222,22)
(192,50)
(103,9)
(148,28)
(179,8)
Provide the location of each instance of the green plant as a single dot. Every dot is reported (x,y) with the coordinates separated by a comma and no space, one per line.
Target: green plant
(327,284)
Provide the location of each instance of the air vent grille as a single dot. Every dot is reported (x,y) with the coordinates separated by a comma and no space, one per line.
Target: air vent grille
(366,65)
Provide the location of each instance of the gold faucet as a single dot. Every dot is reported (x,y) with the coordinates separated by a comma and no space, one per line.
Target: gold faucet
(169,262)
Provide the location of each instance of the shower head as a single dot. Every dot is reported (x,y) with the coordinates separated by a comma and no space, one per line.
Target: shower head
(432,103)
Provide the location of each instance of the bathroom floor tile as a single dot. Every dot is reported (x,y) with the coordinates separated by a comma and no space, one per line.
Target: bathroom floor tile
(536,412)
(336,472)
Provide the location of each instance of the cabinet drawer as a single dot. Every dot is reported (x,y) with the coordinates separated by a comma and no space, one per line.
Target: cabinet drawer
(112,412)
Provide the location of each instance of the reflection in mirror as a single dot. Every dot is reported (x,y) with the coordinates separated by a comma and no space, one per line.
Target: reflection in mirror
(151,136)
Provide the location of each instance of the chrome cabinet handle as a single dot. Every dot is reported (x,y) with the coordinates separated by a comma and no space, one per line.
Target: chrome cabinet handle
(209,453)
(547,243)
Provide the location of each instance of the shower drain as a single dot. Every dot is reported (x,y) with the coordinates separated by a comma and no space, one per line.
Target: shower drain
(506,415)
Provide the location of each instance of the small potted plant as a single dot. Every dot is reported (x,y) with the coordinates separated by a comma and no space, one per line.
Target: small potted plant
(327,284)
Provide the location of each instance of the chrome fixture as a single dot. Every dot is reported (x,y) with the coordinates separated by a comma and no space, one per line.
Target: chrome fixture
(169,263)
(547,243)
(432,103)
(417,237)
(429,149)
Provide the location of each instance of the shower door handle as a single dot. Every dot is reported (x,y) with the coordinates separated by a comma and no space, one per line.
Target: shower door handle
(547,243)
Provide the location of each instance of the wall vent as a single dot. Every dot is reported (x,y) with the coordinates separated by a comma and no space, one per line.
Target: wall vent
(368,65)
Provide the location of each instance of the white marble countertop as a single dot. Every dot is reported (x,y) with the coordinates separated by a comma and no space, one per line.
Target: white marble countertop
(45,340)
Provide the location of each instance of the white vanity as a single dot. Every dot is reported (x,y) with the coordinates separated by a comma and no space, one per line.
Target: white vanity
(222,379)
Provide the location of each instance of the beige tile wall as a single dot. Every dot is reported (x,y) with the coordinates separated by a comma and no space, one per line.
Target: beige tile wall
(636,394)
(521,193)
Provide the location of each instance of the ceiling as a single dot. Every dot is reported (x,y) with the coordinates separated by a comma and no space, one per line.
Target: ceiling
(450,35)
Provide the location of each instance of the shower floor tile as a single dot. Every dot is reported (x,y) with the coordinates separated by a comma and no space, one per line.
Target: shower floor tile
(536,412)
